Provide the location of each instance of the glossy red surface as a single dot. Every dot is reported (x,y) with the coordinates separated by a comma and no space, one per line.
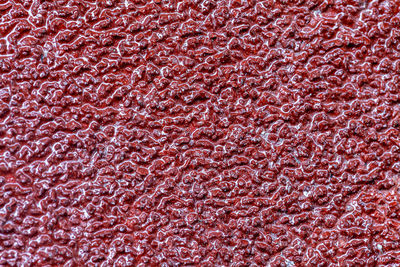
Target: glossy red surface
(207,133)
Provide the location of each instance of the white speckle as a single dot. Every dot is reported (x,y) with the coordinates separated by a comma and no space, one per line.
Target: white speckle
(264,135)
(289,263)
(86,214)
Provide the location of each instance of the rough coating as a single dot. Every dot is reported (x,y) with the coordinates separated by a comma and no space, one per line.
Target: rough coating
(208,133)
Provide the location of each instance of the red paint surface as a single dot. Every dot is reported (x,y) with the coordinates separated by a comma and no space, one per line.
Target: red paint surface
(209,133)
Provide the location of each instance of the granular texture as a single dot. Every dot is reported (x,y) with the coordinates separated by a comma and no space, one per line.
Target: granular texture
(195,132)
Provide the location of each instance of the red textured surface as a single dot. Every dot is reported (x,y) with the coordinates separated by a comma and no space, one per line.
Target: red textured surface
(209,133)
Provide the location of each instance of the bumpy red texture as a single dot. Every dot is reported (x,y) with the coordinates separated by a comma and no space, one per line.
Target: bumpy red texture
(195,132)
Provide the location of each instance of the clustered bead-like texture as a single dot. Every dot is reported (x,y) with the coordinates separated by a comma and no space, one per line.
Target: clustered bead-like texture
(195,132)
